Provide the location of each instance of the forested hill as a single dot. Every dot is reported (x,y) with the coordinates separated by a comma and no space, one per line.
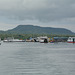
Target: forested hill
(30,29)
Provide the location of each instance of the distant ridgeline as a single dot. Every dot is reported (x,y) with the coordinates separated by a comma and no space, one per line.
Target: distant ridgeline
(30,29)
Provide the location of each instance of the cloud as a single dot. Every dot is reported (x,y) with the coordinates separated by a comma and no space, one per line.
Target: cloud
(56,12)
(4,26)
(42,10)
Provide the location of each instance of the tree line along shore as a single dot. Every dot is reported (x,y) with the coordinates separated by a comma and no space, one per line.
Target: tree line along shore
(27,36)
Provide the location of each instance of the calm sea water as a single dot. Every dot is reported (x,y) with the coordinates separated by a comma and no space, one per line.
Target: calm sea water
(37,59)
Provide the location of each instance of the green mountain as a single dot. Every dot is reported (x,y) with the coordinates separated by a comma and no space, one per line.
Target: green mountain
(30,29)
(2,32)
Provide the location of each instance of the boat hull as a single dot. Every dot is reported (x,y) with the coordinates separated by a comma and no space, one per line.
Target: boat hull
(14,41)
(71,42)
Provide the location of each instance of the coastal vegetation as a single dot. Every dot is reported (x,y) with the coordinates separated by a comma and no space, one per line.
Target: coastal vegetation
(27,36)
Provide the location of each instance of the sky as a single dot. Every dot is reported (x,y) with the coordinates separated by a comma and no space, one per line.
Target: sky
(45,13)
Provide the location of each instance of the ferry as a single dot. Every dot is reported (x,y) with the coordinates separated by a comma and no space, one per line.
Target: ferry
(71,40)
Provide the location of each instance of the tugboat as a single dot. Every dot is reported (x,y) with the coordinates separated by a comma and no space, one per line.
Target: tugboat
(71,40)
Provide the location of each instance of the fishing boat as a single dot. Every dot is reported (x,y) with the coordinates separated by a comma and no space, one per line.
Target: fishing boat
(71,40)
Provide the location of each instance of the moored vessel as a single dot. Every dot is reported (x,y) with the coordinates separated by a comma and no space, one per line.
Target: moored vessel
(43,39)
(71,40)
(11,39)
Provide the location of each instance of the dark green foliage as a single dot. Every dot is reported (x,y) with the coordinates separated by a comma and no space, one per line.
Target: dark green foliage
(27,36)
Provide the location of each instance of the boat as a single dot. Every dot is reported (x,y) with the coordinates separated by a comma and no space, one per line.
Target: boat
(11,39)
(71,40)
(43,39)
(30,40)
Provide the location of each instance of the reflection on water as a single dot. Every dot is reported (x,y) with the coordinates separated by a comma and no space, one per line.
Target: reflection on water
(37,59)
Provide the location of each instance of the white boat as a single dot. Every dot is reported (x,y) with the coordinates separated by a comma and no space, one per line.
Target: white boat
(11,39)
(71,40)
(43,39)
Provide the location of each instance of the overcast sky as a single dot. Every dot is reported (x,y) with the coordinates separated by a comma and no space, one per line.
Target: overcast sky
(47,13)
